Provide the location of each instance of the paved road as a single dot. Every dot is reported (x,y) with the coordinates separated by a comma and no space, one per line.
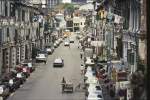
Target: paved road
(44,83)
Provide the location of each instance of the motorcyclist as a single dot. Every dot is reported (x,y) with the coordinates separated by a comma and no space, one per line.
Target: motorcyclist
(63,80)
(63,83)
(82,69)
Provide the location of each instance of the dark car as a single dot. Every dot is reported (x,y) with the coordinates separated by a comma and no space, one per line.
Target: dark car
(13,84)
(11,81)
(49,48)
(4,90)
(20,77)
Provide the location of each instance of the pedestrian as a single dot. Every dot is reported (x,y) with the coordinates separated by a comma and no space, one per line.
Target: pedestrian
(81,55)
(63,83)
(45,62)
(63,80)
(82,69)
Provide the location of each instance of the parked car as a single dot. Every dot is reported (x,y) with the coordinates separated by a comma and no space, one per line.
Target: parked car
(91,80)
(60,40)
(66,43)
(89,61)
(57,42)
(4,91)
(93,88)
(29,66)
(55,45)
(59,62)
(14,84)
(41,57)
(49,48)
(94,96)
(20,77)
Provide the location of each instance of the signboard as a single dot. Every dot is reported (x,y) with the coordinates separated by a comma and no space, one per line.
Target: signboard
(121,76)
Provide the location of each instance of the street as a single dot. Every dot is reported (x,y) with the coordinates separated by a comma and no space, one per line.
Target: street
(45,82)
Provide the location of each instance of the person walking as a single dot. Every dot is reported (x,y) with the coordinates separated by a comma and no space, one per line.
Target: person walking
(81,54)
(82,69)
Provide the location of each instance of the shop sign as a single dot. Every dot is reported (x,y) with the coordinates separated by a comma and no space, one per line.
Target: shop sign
(121,76)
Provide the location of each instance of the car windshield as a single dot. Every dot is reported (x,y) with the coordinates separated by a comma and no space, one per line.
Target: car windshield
(41,55)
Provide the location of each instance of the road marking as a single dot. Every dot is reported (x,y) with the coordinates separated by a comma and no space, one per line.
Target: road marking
(12,94)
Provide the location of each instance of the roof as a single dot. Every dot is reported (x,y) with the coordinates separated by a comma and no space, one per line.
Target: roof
(58,60)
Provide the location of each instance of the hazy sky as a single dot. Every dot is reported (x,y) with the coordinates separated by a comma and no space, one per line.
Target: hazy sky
(66,1)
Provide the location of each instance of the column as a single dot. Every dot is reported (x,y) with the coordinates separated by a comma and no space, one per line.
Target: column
(125,46)
(18,56)
(22,52)
(13,57)
(7,59)
(1,57)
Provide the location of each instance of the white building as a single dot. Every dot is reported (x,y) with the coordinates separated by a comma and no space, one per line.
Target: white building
(60,24)
(66,1)
(78,23)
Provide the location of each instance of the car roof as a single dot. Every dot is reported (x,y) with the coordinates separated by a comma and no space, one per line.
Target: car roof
(58,60)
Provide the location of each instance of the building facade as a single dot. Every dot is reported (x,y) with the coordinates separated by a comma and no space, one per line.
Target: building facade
(18,32)
(53,3)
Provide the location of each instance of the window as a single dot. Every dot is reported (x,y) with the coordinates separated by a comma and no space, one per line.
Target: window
(81,23)
(0,7)
(0,36)
(7,32)
(6,12)
(12,10)
(23,15)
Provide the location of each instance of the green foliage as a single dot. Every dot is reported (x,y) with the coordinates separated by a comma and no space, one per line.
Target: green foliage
(69,7)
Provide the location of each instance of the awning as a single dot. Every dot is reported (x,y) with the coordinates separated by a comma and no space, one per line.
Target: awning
(97,43)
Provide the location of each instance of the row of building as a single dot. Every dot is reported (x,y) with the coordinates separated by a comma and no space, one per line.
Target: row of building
(121,26)
(25,26)
(21,28)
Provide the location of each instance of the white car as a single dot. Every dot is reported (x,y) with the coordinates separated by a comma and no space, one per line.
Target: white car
(93,88)
(89,73)
(59,62)
(94,96)
(41,57)
(89,61)
(66,43)
(92,80)
(71,40)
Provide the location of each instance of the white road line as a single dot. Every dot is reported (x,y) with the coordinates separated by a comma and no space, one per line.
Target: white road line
(12,94)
